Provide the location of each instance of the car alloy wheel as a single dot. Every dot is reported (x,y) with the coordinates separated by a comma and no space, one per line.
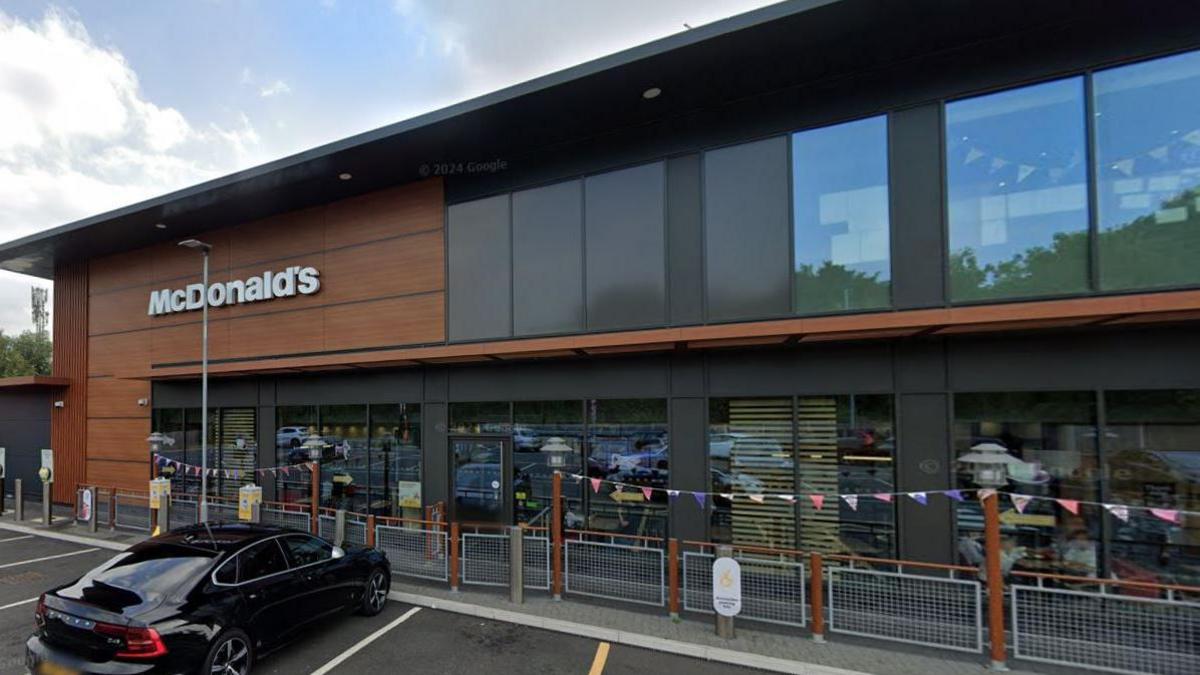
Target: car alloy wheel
(377,592)
(232,658)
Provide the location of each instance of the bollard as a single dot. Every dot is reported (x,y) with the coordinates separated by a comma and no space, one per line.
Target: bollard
(516,565)
(47,506)
(164,515)
(256,512)
(18,501)
(725,623)
(339,527)
(93,519)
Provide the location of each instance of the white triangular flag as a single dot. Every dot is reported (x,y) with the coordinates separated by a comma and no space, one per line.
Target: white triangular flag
(851,501)
(972,155)
(998,163)
(1119,510)
(1023,171)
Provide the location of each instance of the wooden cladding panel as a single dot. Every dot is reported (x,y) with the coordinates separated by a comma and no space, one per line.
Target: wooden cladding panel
(127,475)
(68,425)
(404,210)
(115,397)
(400,266)
(181,344)
(110,354)
(286,235)
(278,333)
(120,438)
(410,320)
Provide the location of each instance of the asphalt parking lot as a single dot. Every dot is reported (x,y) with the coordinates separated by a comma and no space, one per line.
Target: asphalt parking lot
(402,638)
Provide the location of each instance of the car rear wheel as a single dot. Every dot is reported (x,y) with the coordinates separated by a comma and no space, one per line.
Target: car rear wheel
(231,654)
(376,593)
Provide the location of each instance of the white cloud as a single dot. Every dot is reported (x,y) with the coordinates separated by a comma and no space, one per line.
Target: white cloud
(274,89)
(79,137)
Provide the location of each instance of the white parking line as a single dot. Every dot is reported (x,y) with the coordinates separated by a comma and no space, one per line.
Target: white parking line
(17,604)
(364,642)
(28,536)
(49,557)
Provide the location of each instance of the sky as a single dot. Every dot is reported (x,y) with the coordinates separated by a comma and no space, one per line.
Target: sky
(103,104)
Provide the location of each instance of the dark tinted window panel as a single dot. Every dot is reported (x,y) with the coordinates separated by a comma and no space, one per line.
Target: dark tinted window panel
(548,259)
(626,257)
(480,269)
(685,239)
(747,230)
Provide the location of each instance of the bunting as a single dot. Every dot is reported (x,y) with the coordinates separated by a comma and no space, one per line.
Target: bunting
(818,501)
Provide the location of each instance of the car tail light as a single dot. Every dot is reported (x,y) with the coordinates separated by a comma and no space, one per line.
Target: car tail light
(136,643)
(39,614)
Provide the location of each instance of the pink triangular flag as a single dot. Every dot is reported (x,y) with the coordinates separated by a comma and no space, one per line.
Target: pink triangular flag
(884,497)
(646,493)
(756,498)
(1169,515)
(595,485)
(1020,501)
(1071,505)
(818,501)
(851,501)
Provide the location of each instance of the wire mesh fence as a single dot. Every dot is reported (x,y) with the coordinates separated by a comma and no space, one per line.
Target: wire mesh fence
(913,608)
(615,571)
(326,527)
(132,511)
(184,512)
(290,518)
(773,591)
(414,552)
(1105,631)
(356,530)
(222,512)
(536,557)
(484,560)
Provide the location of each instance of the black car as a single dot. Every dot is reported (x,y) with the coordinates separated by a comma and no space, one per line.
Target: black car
(201,599)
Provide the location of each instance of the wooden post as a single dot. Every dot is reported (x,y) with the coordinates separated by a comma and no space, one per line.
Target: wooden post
(816,594)
(315,496)
(673,577)
(454,556)
(371,531)
(112,508)
(995,582)
(556,535)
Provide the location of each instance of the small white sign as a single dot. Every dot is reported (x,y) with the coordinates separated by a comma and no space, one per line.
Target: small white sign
(48,463)
(85,506)
(2,460)
(727,586)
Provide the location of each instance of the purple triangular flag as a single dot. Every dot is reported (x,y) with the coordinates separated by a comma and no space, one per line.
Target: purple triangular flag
(699,498)
(956,495)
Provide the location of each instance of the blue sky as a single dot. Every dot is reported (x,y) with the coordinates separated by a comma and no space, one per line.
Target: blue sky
(105,103)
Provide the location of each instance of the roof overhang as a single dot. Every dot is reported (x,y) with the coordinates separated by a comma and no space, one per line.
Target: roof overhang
(33,383)
(786,47)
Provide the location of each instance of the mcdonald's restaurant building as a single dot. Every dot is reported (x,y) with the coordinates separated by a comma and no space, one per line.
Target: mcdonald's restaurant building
(820,248)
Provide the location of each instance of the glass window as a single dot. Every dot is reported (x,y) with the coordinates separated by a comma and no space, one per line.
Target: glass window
(344,456)
(260,560)
(304,550)
(1016,175)
(480,418)
(1148,172)
(294,424)
(1152,452)
(1054,436)
(395,460)
(227,573)
(541,430)
(750,452)
(866,450)
(840,216)
(627,443)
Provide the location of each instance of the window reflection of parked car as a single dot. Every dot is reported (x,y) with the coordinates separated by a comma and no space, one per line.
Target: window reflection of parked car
(736,482)
(473,485)
(290,437)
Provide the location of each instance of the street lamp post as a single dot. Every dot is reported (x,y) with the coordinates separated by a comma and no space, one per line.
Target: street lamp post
(204,249)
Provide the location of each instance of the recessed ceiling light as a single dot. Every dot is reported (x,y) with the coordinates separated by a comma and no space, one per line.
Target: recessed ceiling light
(650,93)
(344,176)
(161,226)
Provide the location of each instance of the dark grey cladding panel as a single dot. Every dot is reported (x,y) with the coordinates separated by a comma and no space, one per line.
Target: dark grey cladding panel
(924,463)
(823,369)
(221,393)
(689,468)
(399,386)
(548,259)
(915,173)
(480,269)
(22,406)
(626,248)
(685,241)
(747,230)
(1150,358)
(435,458)
(606,377)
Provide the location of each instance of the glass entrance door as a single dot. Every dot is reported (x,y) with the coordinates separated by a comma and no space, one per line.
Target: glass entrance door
(479,484)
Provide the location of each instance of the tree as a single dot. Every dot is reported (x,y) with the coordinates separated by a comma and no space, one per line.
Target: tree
(26,354)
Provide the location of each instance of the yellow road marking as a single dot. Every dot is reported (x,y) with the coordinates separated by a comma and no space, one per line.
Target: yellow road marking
(601,657)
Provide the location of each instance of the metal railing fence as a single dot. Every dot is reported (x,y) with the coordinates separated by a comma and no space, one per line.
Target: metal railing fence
(286,517)
(415,549)
(624,572)
(915,608)
(132,510)
(1105,631)
(773,591)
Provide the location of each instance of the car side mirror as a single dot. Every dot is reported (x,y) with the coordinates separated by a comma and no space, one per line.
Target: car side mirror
(338,553)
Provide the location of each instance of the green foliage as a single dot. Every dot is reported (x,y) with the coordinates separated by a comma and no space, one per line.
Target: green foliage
(25,354)
(830,288)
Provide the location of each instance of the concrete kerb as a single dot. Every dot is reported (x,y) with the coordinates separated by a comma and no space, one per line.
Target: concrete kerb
(717,654)
(63,536)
